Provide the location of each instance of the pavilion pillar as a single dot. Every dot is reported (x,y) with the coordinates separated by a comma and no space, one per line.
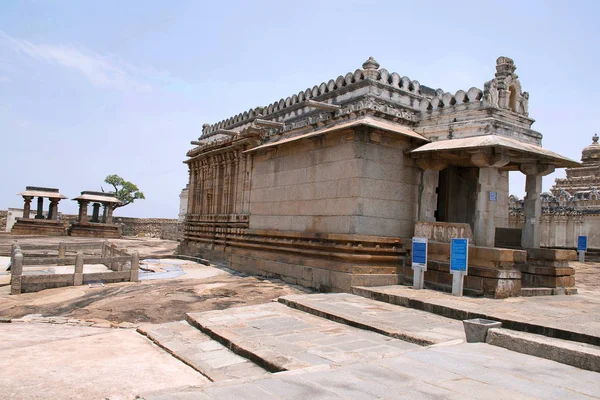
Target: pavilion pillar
(83,212)
(104,212)
(531,235)
(53,209)
(109,213)
(95,212)
(484,225)
(532,208)
(40,208)
(27,207)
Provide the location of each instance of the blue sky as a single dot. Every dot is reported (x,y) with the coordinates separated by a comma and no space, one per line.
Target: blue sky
(89,89)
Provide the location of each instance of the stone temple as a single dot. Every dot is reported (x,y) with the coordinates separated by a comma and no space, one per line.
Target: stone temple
(326,187)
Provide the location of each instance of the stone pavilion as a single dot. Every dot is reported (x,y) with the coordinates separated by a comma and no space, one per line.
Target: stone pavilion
(325,188)
(99,225)
(40,224)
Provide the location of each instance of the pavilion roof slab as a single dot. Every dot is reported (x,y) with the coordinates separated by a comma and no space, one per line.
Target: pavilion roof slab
(98,198)
(42,193)
(365,121)
(529,150)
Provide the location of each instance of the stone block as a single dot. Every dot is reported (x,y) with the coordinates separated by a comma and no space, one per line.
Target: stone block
(476,330)
(551,254)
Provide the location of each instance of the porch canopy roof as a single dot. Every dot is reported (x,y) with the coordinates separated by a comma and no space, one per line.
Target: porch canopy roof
(366,121)
(503,151)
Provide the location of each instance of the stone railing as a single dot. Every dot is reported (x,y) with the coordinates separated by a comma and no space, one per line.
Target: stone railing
(123,266)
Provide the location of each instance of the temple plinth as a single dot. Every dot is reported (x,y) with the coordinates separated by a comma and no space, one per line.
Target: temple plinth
(96,227)
(47,225)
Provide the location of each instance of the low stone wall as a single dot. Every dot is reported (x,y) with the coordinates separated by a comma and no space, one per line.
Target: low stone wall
(163,228)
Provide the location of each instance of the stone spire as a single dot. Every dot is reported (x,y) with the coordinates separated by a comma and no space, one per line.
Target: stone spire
(591,154)
(370,68)
(504,67)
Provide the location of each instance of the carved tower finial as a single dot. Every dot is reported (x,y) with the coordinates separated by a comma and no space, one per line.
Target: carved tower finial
(595,139)
(505,66)
(371,63)
(371,68)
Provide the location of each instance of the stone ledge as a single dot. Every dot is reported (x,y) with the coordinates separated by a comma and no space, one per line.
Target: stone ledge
(456,312)
(565,352)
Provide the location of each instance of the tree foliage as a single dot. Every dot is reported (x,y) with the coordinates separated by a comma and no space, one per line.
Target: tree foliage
(127,192)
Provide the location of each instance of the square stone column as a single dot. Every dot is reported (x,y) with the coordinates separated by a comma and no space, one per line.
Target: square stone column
(53,209)
(40,208)
(83,212)
(428,195)
(27,207)
(104,212)
(95,212)
(484,226)
(532,209)
(109,214)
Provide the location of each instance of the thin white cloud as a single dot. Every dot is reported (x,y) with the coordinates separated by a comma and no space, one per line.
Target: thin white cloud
(100,70)
(4,79)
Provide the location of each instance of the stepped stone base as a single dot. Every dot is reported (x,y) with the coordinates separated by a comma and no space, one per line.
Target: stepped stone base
(328,263)
(109,231)
(38,227)
(548,268)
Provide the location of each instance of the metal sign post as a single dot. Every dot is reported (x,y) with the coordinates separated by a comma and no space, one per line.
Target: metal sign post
(581,247)
(459,264)
(419,261)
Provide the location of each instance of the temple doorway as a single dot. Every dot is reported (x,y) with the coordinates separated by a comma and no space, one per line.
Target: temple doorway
(457,190)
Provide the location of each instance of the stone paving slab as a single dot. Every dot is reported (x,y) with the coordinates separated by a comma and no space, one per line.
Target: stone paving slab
(200,352)
(45,361)
(465,371)
(575,317)
(280,338)
(410,325)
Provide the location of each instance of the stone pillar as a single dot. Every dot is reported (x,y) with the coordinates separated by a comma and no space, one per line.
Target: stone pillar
(135,266)
(428,195)
(16,271)
(62,252)
(95,212)
(27,207)
(83,211)
(78,275)
(104,212)
(484,226)
(53,209)
(40,208)
(532,209)
(109,213)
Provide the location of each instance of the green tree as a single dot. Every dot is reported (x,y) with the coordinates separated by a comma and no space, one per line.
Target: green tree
(126,191)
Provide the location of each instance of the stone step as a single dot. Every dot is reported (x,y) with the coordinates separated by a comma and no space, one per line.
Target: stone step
(200,352)
(546,291)
(402,323)
(280,338)
(584,356)
(534,317)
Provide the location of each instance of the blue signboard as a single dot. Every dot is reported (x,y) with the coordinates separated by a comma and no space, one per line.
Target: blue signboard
(581,243)
(419,252)
(459,255)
